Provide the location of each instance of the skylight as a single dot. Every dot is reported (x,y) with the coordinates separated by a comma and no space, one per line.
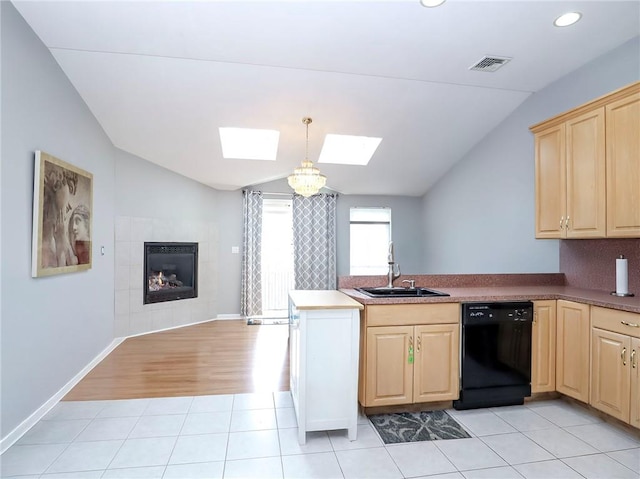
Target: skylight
(249,143)
(348,150)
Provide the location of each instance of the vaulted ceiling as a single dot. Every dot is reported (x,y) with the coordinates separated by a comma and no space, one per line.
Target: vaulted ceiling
(162,77)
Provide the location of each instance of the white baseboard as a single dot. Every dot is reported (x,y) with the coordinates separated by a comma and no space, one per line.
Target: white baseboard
(167,329)
(11,438)
(223,317)
(229,316)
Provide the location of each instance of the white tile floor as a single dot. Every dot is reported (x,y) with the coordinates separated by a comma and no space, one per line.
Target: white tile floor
(255,436)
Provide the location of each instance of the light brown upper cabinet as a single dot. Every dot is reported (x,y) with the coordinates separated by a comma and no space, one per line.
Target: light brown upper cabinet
(551,178)
(623,166)
(587,169)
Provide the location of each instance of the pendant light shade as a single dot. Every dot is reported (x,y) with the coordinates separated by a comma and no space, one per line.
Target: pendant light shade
(431,3)
(306,180)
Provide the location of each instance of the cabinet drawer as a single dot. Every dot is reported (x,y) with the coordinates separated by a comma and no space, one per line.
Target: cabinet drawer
(617,321)
(412,314)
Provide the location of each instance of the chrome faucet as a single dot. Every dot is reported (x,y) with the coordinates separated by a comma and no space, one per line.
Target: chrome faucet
(412,283)
(394,269)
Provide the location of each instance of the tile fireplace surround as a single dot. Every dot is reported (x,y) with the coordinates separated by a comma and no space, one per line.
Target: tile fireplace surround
(132,316)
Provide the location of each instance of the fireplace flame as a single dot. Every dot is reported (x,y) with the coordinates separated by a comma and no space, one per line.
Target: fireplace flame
(158,281)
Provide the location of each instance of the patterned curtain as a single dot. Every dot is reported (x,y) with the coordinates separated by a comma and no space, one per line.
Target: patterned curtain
(251,292)
(314,241)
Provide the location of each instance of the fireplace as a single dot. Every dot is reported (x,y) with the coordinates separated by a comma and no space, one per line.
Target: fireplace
(170,271)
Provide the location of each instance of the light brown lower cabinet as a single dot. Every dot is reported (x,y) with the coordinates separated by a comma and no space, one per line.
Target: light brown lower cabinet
(634,416)
(589,353)
(572,349)
(405,364)
(436,363)
(396,375)
(543,346)
(615,376)
(389,376)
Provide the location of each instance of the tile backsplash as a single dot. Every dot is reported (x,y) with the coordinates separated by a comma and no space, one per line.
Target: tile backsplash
(591,263)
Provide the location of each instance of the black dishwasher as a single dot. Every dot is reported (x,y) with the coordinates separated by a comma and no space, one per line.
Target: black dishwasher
(495,363)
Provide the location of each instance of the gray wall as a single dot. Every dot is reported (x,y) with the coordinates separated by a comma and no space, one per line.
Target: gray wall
(147,190)
(154,204)
(52,327)
(144,189)
(480,217)
(230,267)
(406,213)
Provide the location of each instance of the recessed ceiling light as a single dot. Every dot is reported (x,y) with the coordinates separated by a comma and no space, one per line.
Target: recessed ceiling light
(348,150)
(567,19)
(431,3)
(249,143)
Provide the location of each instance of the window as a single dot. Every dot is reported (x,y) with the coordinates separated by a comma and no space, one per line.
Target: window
(370,230)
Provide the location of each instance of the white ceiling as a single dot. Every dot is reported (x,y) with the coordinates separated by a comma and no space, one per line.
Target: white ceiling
(161,77)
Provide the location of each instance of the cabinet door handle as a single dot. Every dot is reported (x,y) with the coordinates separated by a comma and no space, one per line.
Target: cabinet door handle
(633,359)
(419,344)
(623,355)
(410,355)
(566,223)
(561,221)
(633,325)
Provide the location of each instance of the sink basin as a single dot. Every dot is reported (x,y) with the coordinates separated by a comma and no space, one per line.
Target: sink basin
(400,292)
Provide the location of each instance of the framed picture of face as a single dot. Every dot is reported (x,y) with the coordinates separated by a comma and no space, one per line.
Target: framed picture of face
(62,216)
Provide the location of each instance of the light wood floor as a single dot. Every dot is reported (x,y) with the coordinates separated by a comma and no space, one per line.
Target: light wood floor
(217,357)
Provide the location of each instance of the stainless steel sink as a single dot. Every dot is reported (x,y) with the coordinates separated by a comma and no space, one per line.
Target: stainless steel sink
(399,292)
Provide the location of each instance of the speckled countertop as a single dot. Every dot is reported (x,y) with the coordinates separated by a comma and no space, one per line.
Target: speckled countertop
(462,288)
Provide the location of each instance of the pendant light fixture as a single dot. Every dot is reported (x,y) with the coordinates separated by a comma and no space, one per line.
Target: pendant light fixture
(306,180)
(432,3)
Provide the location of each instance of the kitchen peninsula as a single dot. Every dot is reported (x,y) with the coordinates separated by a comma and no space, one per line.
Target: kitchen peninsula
(323,333)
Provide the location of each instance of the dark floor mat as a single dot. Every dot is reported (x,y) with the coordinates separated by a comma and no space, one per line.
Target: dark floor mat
(417,426)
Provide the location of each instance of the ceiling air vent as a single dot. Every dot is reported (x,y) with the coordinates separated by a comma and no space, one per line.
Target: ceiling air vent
(489,64)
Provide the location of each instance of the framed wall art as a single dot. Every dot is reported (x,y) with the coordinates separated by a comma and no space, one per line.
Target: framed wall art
(62,217)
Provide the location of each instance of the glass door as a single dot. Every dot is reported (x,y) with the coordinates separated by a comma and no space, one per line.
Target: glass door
(277,257)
